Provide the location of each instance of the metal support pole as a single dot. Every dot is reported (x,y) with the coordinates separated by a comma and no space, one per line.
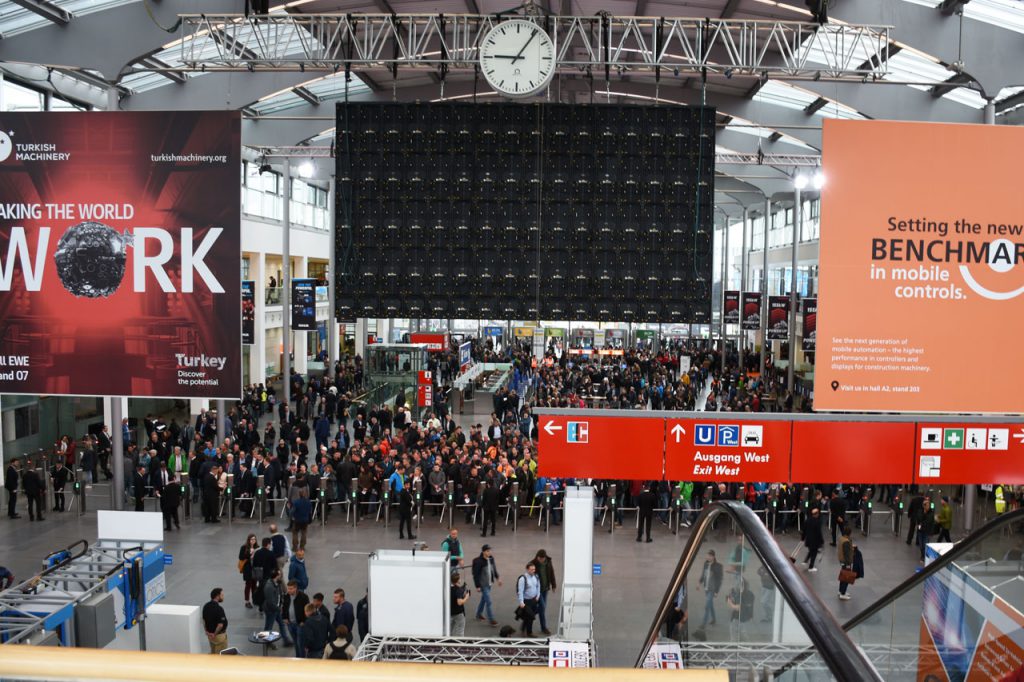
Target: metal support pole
(450,499)
(515,506)
(222,420)
(332,322)
(725,285)
(185,496)
(116,455)
(354,503)
(229,494)
(764,282)
(613,500)
(260,498)
(418,501)
(286,282)
(797,222)
(743,286)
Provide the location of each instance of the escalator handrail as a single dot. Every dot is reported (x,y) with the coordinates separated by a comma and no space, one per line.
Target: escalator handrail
(959,549)
(844,659)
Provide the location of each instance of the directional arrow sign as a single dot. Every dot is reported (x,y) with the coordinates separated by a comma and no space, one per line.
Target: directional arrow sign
(678,431)
(550,428)
(1019,436)
(629,448)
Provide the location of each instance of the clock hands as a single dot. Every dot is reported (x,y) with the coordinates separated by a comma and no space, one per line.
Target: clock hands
(528,40)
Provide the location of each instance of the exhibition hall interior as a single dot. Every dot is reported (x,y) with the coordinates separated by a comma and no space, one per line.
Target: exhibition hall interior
(368,340)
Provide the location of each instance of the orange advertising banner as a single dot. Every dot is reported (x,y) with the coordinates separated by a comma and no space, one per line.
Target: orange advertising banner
(922,240)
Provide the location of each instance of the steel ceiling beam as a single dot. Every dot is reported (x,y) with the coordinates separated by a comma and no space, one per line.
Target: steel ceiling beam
(951,7)
(47,10)
(766,49)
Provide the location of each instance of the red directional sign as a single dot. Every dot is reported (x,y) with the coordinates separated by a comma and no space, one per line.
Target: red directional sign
(855,452)
(724,450)
(601,447)
(969,453)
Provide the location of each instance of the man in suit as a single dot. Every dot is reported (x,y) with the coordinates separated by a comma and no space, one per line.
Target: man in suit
(59,475)
(11,480)
(34,489)
(139,488)
(170,498)
(489,506)
(646,501)
(104,446)
(211,492)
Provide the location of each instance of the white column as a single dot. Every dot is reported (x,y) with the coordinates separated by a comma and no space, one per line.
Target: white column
(361,337)
(258,349)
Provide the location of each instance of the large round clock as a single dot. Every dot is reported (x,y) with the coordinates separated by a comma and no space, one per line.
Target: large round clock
(517,58)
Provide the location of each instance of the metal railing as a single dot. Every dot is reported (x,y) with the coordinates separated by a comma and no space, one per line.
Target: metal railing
(845,661)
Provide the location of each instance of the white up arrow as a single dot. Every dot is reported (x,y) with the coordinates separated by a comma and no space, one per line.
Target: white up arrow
(550,428)
(677,431)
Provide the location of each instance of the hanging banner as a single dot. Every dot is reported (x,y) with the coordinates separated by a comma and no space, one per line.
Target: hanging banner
(915,270)
(425,388)
(435,343)
(732,307)
(523,332)
(465,355)
(970,453)
(120,249)
(778,318)
(751,320)
(248,311)
(303,304)
(809,307)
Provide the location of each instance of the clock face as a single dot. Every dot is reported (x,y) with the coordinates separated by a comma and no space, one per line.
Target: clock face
(517,58)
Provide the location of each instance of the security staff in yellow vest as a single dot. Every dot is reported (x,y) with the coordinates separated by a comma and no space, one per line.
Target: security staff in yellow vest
(1000,500)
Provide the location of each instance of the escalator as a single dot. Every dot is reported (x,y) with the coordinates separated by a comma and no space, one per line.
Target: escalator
(958,619)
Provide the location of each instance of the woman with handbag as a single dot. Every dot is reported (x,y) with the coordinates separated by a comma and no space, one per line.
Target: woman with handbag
(245,567)
(847,576)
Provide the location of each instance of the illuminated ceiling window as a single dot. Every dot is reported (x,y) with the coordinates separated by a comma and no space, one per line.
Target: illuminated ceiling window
(15,19)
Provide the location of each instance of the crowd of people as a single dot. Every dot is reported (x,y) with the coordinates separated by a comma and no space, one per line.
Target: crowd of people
(326,440)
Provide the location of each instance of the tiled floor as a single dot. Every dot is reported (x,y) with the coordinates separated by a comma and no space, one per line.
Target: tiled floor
(634,576)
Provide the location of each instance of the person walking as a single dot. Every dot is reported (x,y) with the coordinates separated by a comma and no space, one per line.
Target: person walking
(59,476)
(915,510)
(646,502)
(813,537)
(12,477)
(302,513)
(489,506)
(170,499)
(528,592)
(546,575)
(245,556)
(34,489)
(457,607)
(215,621)
(297,569)
(926,527)
(485,575)
(452,545)
(405,513)
(944,520)
(273,599)
(845,556)
(711,582)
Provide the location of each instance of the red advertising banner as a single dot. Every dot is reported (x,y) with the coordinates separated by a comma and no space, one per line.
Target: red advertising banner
(865,452)
(732,307)
(810,325)
(778,318)
(721,450)
(436,343)
(751,318)
(120,248)
(601,447)
(970,453)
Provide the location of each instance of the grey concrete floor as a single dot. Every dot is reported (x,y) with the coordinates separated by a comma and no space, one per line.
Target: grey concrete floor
(634,578)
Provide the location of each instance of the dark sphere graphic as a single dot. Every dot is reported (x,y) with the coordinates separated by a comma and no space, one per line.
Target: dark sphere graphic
(90,259)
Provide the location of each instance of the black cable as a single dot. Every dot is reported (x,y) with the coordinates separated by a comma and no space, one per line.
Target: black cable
(149,11)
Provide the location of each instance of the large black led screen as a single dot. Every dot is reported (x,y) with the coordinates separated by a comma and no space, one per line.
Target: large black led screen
(525,211)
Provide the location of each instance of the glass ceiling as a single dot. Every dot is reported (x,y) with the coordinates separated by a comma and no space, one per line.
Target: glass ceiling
(15,19)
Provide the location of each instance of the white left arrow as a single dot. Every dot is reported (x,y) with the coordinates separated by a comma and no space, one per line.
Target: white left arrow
(550,428)
(678,431)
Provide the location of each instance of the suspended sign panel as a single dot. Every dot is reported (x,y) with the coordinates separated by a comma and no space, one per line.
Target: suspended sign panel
(601,447)
(915,267)
(119,236)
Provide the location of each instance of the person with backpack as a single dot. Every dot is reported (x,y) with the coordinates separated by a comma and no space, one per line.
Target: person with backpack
(340,648)
(528,593)
(741,608)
